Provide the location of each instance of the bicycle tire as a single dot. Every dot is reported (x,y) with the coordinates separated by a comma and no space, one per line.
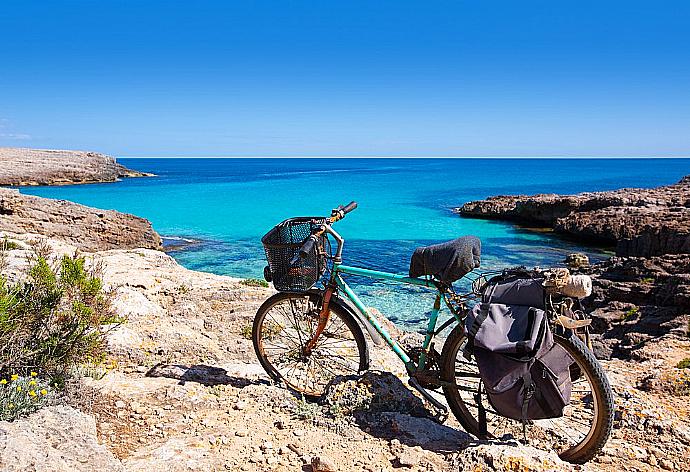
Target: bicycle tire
(354,343)
(584,358)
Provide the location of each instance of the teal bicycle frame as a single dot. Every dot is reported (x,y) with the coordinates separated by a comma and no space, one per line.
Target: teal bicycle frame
(339,269)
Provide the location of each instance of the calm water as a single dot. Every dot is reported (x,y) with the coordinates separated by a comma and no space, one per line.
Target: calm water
(228,204)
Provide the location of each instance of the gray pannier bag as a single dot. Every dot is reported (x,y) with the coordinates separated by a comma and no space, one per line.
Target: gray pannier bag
(526,375)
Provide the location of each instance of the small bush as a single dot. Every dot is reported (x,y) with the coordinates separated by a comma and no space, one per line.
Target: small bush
(680,384)
(254,283)
(95,370)
(55,318)
(246,331)
(684,364)
(305,410)
(20,396)
(634,311)
(647,280)
(7,245)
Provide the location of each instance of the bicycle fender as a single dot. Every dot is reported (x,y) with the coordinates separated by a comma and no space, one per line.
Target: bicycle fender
(359,316)
(349,307)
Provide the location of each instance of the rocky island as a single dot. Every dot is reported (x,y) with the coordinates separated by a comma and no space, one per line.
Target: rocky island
(182,389)
(21,166)
(638,222)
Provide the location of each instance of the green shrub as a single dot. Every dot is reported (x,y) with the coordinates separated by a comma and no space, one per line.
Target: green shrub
(684,364)
(634,311)
(20,396)
(56,317)
(305,410)
(254,283)
(246,331)
(7,245)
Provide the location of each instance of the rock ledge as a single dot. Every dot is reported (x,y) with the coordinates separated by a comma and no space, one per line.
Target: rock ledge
(22,167)
(639,222)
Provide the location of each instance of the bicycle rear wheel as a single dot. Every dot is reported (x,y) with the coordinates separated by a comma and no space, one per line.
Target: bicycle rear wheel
(286,322)
(577,436)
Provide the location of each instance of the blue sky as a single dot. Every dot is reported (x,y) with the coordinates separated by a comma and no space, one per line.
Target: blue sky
(384,78)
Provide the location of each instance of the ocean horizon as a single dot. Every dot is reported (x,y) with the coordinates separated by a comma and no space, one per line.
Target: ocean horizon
(212,212)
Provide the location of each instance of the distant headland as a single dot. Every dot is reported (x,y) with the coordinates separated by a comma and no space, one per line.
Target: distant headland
(22,167)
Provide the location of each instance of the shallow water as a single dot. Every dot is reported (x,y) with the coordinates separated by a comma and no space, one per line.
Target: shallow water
(228,204)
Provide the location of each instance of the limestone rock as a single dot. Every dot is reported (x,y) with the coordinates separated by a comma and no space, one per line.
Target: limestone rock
(176,454)
(373,392)
(416,431)
(640,222)
(512,456)
(86,228)
(322,464)
(22,166)
(635,300)
(54,439)
(576,260)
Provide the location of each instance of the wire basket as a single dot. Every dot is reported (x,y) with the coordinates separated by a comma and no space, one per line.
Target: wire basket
(283,242)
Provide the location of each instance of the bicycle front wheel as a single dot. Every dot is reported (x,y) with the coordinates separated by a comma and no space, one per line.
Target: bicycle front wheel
(283,326)
(577,436)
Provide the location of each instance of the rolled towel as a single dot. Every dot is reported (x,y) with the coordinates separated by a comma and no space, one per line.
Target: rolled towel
(578,286)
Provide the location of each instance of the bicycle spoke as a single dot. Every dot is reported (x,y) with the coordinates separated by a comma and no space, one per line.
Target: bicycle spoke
(562,433)
(285,330)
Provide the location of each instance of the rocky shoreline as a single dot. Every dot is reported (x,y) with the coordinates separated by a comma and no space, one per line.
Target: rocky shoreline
(86,228)
(186,391)
(644,292)
(639,222)
(22,167)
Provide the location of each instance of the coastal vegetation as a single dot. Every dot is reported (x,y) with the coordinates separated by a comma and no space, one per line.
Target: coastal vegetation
(20,396)
(53,319)
(7,245)
(254,283)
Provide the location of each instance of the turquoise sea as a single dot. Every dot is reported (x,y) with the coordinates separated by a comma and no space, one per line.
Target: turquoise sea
(226,205)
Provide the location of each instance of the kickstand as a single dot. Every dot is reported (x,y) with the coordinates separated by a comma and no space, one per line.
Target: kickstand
(441,409)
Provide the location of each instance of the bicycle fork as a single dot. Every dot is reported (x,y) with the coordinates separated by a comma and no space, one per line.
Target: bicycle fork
(324,317)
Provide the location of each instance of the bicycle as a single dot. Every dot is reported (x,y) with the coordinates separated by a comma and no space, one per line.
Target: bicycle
(304,337)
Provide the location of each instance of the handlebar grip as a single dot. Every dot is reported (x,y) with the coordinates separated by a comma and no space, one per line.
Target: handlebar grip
(304,251)
(348,208)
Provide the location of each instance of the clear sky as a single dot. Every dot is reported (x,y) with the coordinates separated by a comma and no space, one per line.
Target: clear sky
(373,77)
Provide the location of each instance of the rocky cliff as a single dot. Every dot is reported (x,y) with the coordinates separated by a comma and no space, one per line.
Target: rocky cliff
(643,294)
(19,166)
(638,222)
(86,228)
(188,394)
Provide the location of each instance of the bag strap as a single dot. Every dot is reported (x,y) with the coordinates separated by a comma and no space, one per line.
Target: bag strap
(481,412)
(528,391)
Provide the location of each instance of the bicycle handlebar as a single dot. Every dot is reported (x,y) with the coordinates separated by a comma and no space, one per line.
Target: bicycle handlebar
(340,212)
(307,247)
(349,207)
(308,244)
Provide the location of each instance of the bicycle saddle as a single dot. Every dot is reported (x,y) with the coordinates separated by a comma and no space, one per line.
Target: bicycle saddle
(447,261)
